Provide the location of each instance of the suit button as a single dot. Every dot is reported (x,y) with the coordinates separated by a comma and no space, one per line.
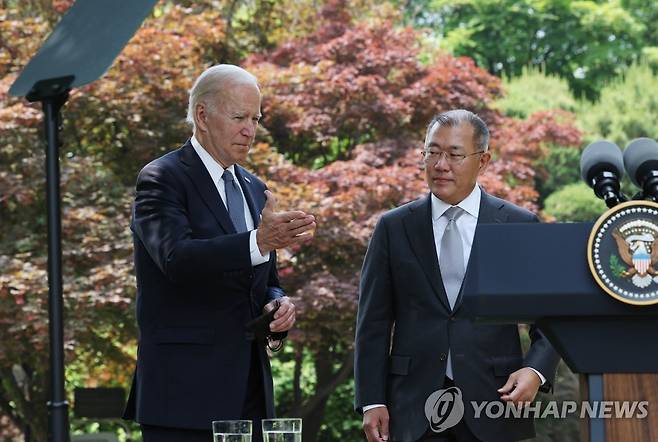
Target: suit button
(443,356)
(452,319)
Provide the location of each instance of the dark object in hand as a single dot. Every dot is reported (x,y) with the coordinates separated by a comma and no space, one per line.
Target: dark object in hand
(259,327)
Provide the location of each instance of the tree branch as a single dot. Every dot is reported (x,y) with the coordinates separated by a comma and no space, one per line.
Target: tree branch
(297,378)
(9,383)
(323,391)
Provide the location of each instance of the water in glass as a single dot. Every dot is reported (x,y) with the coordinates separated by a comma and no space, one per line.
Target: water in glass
(282,436)
(231,437)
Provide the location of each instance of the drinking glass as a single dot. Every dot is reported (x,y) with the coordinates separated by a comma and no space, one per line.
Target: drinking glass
(282,430)
(231,431)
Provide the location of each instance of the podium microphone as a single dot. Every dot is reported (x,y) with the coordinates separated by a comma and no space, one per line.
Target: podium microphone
(602,168)
(641,161)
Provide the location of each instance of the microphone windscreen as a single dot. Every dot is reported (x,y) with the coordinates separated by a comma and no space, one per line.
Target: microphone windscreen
(637,153)
(601,156)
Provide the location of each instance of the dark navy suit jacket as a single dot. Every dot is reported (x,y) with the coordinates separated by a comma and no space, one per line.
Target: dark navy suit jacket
(196,289)
(405,327)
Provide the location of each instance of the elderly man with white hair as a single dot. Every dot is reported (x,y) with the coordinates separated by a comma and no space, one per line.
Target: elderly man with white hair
(205,235)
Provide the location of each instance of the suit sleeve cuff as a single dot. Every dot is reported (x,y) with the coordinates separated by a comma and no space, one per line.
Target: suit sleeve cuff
(541,376)
(254,251)
(370,407)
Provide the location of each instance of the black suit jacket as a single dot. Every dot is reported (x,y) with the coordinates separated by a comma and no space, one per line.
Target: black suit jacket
(405,328)
(196,288)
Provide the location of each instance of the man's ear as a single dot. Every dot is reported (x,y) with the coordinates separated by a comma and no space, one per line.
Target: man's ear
(484,161)
(201,116)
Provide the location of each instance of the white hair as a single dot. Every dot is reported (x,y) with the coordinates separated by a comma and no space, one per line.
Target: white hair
(213,81)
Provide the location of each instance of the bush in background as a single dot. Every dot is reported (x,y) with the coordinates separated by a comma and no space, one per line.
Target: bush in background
(535,91)
(626,110)
(573,203)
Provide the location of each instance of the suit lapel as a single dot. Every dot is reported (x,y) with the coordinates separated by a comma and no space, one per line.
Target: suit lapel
(199,175)
(490,213)
(247,189)
(418,227)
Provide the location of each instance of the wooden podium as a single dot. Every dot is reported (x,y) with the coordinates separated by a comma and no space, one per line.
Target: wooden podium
(538,273)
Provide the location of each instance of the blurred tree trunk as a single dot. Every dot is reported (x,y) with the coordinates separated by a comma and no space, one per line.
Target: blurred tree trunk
(328,378)
(22,402)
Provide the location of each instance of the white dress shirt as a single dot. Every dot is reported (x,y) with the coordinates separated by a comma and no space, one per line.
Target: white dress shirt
(466,225)
(216,171)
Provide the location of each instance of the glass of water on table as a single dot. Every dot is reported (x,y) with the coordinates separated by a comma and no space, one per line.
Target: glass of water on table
(282,430)
(231,431)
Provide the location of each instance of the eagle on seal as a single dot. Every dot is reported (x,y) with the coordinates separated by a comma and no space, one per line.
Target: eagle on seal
(640,262)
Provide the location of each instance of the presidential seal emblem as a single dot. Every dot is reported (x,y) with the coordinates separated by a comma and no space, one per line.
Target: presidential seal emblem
(623,252)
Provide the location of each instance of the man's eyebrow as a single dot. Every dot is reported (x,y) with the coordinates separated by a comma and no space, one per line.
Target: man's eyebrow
(243,112)
(453,147)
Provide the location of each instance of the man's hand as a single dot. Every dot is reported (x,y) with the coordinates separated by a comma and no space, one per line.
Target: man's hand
(521,386)
(375,424)
(282,229)
(284,317)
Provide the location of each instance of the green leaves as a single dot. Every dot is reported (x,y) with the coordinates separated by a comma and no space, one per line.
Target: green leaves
(574,203)
(584,42)
(626,109)
(616,267)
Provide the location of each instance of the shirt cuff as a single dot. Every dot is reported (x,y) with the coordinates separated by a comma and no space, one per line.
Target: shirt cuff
(370,407)
(541,376)
(254,251)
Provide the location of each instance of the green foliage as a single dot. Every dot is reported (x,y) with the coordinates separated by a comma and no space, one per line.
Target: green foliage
(573,203)
(283,373)
(646,13)
(535,91)
(253,26)
(650,56)
(341,422)
(626,110)
(560,166)
(532,92)
(616,267)
(623,112)
(584,42)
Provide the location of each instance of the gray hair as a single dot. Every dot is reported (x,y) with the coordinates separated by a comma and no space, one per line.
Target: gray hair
(454,118)
(213,81)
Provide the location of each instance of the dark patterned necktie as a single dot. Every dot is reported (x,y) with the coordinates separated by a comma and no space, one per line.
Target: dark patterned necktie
(234,202)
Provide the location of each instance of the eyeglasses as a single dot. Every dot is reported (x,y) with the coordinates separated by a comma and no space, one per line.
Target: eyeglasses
(431,157)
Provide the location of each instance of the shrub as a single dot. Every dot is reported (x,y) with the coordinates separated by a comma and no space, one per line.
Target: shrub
(535,91)
(627,108)
(574,202)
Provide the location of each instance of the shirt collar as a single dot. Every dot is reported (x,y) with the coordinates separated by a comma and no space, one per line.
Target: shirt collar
(214,168)
(470,204)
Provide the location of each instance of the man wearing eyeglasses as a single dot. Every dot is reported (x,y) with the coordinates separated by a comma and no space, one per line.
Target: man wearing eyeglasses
(411,339)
